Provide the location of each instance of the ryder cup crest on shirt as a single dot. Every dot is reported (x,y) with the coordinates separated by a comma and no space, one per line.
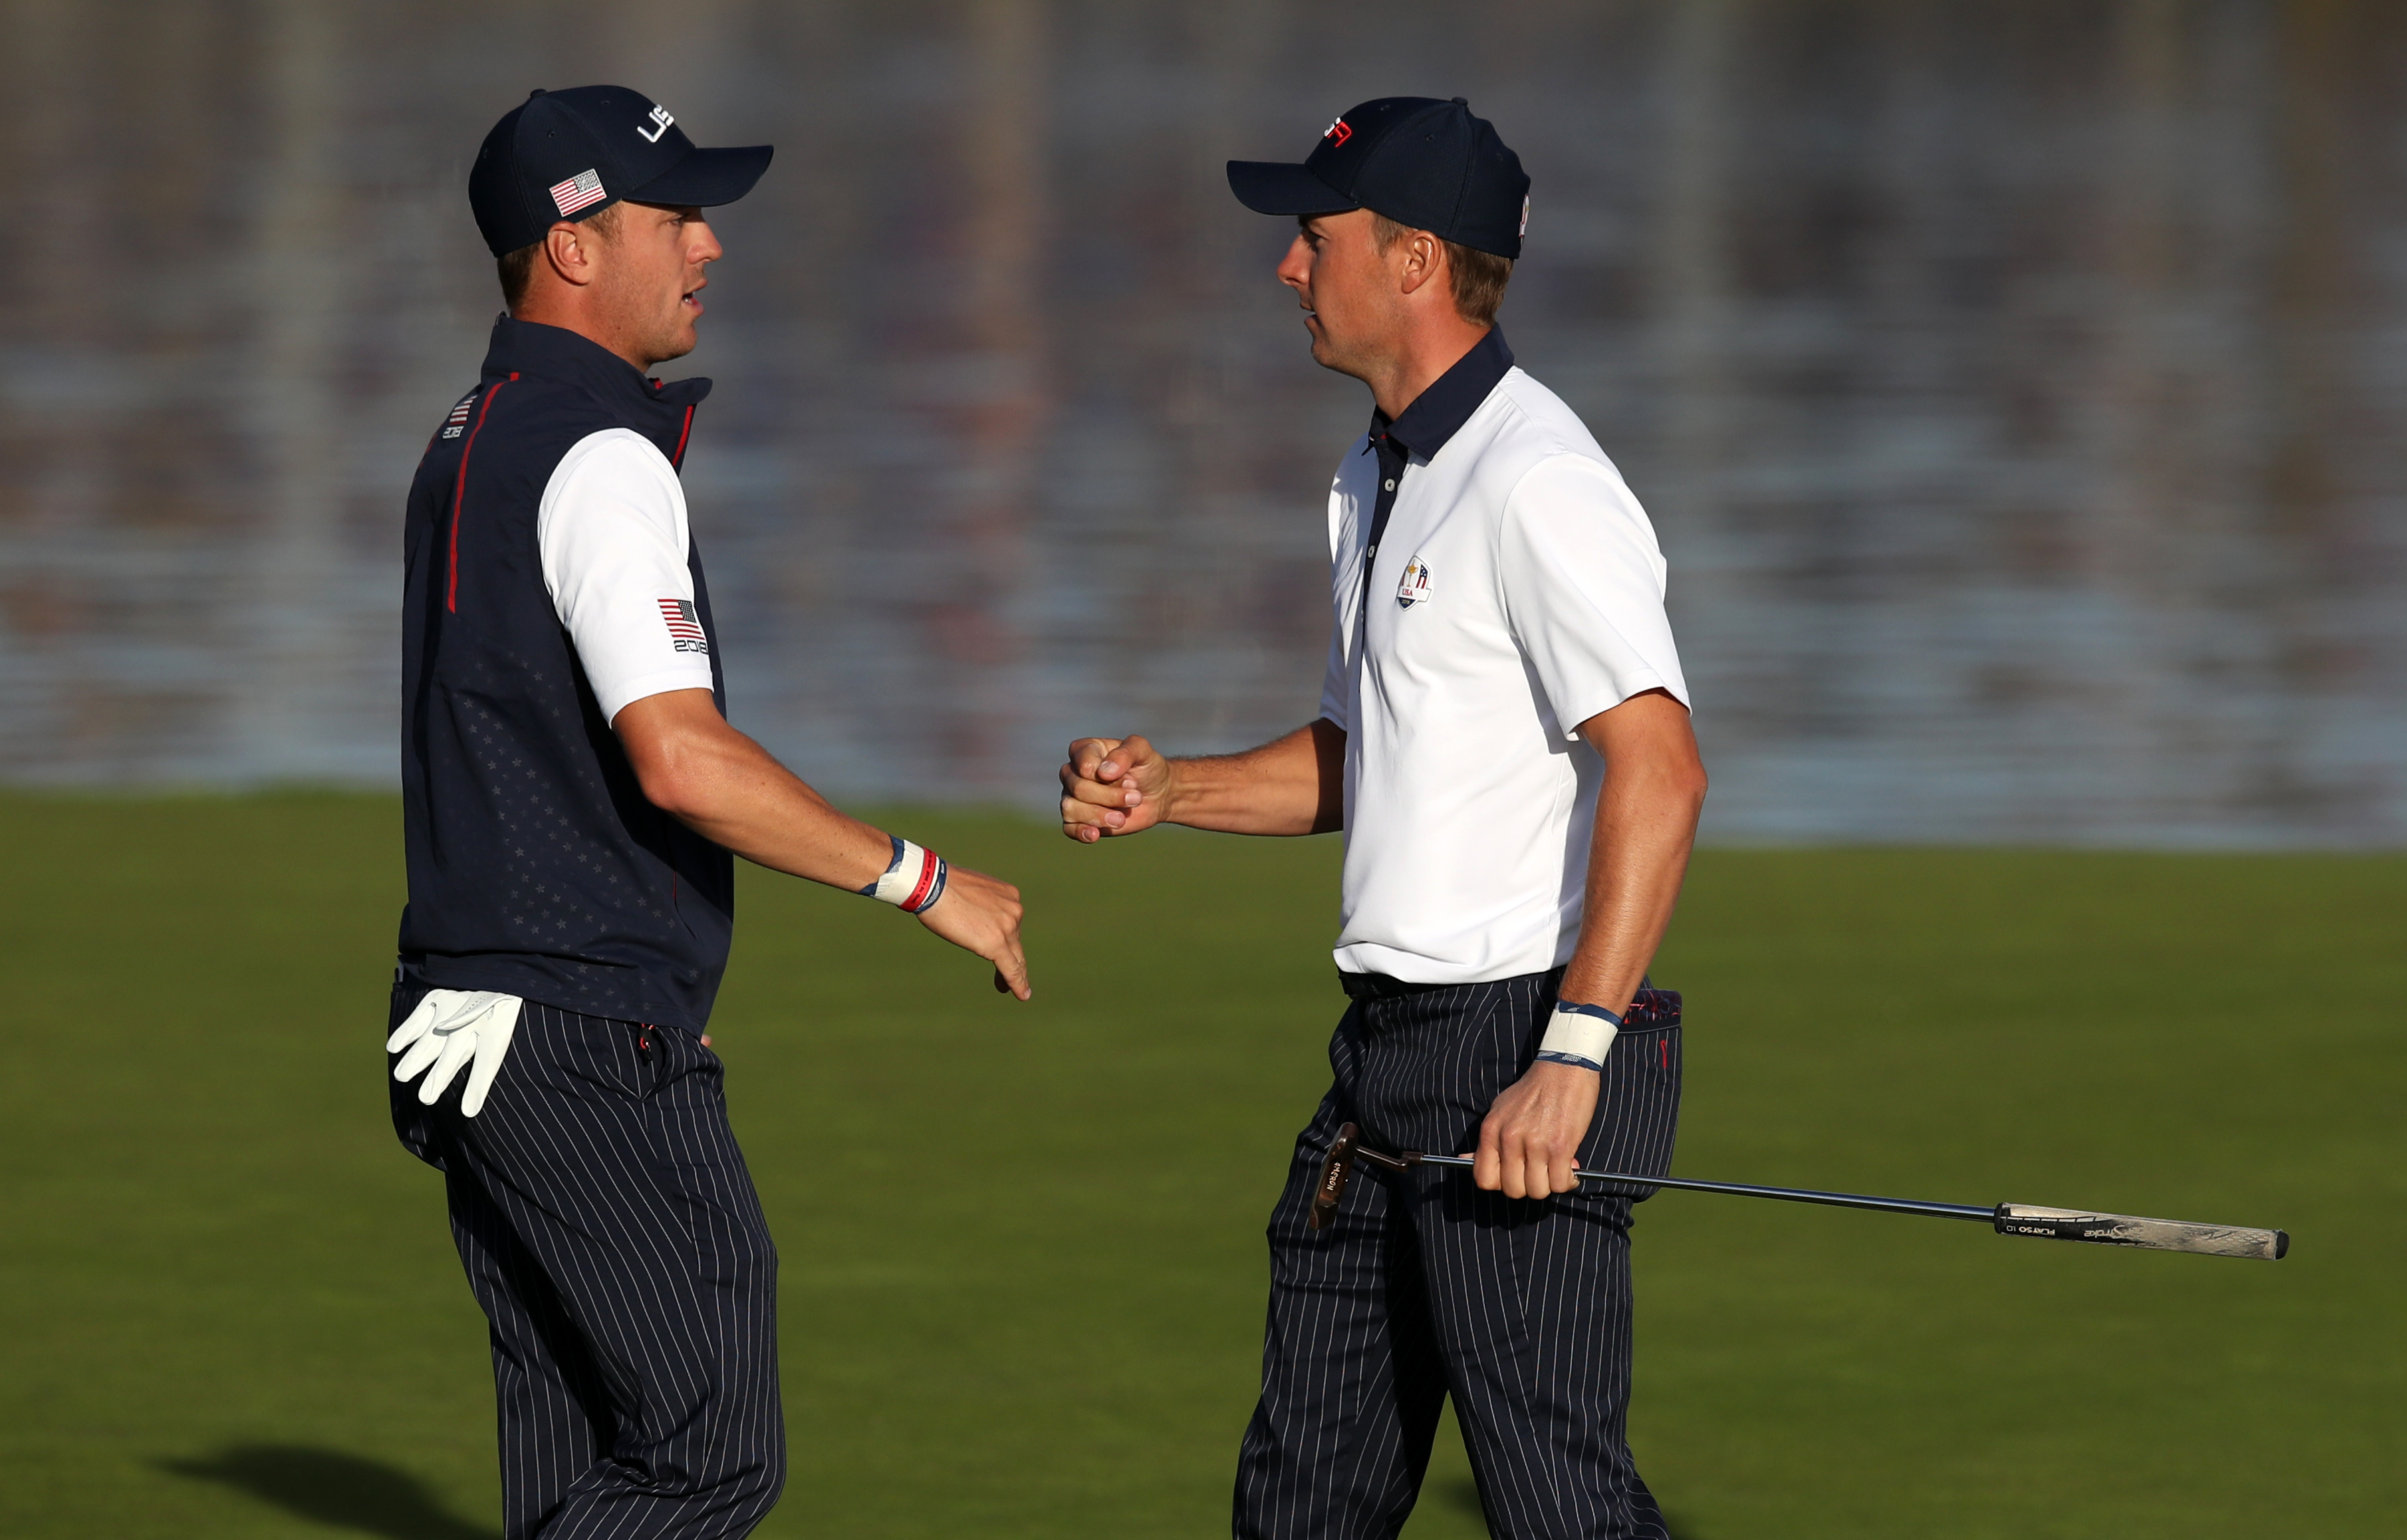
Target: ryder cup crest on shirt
(1415,588)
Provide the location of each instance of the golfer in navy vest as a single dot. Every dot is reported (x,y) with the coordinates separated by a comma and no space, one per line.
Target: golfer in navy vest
(573,801)
(1504,737)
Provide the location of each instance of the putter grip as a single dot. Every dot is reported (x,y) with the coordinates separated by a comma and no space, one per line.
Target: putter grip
(2073,1224)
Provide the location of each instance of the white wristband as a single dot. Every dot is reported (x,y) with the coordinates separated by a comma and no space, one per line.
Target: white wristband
(914,880)
(1579,1035)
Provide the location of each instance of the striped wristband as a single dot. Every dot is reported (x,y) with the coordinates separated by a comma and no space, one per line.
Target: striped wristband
(1578,1036)
(913,881)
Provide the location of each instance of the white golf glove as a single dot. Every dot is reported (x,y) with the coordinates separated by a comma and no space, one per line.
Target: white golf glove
(449,1028)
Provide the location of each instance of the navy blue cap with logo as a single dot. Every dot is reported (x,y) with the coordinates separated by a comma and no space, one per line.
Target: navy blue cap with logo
(570,154)
(1425,163)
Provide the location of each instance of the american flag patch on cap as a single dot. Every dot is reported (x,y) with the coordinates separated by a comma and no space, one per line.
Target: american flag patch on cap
(685,626)
(582,191)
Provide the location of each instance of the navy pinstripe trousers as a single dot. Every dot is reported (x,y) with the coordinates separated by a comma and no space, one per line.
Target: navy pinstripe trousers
(612,1235)
(1424,1287)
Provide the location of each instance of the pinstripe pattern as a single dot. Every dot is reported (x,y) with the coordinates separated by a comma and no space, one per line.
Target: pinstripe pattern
(612,1235)
(1425,1287)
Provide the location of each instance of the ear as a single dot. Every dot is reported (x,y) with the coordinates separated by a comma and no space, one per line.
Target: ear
(568,249)
(1424,258)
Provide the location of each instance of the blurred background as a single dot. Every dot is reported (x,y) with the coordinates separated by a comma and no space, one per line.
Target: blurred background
(2015,387)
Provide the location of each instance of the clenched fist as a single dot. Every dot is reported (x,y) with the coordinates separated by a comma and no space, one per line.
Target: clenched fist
(1113,786)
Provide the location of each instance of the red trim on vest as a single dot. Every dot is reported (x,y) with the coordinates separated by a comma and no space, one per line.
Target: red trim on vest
(677,459)
(460,492)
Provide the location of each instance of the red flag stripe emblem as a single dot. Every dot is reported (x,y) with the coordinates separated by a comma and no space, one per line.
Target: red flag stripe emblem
(681,617)
(582,191)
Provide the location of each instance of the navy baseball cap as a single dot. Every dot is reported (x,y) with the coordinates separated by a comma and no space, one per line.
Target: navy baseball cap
(1421,162)
(570,154)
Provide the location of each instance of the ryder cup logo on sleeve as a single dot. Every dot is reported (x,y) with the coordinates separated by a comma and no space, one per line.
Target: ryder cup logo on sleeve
(582,191)
(1416,587)
(685,626)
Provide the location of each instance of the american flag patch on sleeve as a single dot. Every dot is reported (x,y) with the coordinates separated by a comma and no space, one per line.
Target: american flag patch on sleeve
(685,626)
(581,190)
(457,424)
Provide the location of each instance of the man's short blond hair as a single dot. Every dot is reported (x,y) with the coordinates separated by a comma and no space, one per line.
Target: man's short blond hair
(517,269)
(1479,277)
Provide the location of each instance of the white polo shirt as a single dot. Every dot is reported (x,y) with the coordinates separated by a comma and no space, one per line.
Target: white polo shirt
(1515,591)
(611,530)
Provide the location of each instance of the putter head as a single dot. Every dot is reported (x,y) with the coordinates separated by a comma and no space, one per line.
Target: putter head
(1339,1167)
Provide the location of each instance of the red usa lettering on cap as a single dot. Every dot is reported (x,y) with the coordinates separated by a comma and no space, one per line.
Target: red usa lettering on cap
(1337,132)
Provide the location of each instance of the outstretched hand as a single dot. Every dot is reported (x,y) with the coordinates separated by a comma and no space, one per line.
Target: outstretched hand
(1113,786)
(981,914)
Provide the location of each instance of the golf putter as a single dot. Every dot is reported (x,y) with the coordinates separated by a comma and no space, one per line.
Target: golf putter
(1339,1167)
(1348,1148)
(2006,1218)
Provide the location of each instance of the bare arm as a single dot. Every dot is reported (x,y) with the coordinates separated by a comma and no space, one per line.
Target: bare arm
(1295,785)
(727,789)
(1645,824)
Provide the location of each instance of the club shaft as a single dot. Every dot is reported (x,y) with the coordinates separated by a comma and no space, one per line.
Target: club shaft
(1785,1194)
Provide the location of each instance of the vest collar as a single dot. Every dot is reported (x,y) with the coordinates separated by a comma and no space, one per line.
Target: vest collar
(535,351)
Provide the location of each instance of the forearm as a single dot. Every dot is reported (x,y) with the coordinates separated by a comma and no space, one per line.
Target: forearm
(727,789)
(732,791)
(1645,826)
(1294,785)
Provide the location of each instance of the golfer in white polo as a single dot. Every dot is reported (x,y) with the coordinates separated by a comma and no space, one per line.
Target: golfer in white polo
(1503,736)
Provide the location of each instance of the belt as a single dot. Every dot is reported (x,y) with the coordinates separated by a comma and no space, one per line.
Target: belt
(1653,1007)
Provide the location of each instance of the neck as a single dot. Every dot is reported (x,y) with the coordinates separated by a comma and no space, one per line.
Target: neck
(553,309)
(1427,350)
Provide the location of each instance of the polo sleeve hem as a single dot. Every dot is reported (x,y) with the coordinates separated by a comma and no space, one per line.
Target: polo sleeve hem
(1582,709)
(1334,681)
(626,692)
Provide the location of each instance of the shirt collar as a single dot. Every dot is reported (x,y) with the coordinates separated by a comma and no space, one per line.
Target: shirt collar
(1440,412)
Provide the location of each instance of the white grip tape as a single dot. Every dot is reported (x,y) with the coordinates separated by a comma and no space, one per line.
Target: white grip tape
(914,880)
(1579,1037)
(2080,1224)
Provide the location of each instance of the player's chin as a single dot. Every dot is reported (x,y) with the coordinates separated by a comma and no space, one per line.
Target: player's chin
(676,339)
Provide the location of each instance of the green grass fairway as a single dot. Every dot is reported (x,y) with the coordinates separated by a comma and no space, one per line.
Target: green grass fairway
(1023,1263)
